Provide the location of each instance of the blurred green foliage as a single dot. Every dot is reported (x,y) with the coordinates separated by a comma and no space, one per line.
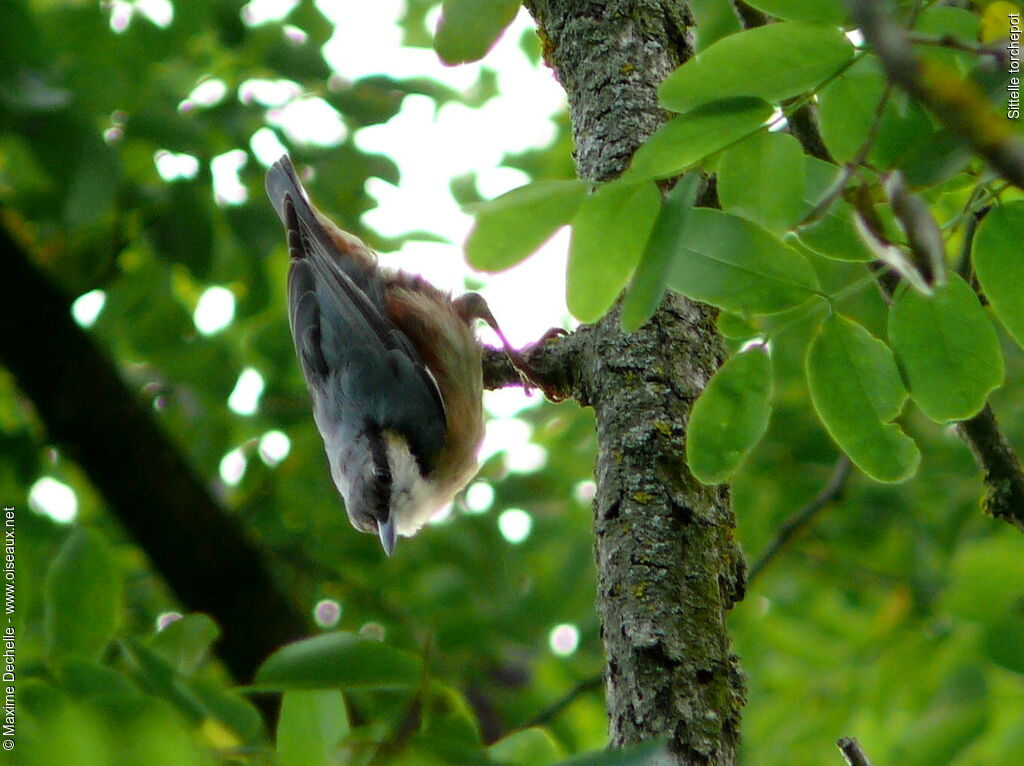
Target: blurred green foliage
(897,617)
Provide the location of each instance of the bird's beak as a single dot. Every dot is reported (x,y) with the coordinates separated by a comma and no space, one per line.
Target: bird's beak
(386,531)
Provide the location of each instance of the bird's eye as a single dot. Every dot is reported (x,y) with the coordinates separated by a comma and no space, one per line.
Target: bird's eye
(366,524)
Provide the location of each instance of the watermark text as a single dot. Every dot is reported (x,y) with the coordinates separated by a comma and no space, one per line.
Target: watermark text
(1013,86)
(8,643)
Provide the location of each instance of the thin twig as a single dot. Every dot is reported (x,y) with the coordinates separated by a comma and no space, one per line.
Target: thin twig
(850,567)
(960,105)
(1003,476)
(850,167)
(850,748)
(992,450)
(1002,472)
(546,715)
(979,199)
(829,302)
(964,266)
(832,490)
(953,43)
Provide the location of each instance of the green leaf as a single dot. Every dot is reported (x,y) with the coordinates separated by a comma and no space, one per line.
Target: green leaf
(999,266)
(906,129)
(731,416)
(227,706)
(312,724)
(846,110)
(87,678)
(94,186)
(528,747)
(834,235)
(735,326)
(935,158)
(950,23)
(151,734)
(826,11)
(160,678)
(856,389)
(714,20)
(448,717)
(733,264)
(608,237)
(686,140)
(468,28)
(185,642)
(958,716)
(82,597)
(772,62)
(651,277)
(947,348)
(198,698)
(956,22)
(763,179)
(985,589)
(72,734)
(513,226)
(181,227)
(338,660)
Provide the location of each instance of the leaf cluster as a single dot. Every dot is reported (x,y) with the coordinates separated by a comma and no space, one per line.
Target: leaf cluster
(895,618)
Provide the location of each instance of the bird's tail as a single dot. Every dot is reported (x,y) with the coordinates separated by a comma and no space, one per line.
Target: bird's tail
(346,250)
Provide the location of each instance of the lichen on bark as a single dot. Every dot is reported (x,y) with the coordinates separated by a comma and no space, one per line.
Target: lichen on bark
(668,565)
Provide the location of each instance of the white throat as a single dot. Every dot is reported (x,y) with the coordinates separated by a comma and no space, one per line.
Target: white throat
(413,500)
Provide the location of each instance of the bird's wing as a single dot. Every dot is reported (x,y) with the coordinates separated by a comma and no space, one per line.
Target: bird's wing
(347,251)
(361,369)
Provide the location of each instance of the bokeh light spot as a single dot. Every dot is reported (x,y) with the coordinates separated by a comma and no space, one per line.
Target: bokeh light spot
(215,310)
(564,639)
(87,307)
(245,399)
(274,447)
(479,497)
(327,613)
(54,499)
(515,525)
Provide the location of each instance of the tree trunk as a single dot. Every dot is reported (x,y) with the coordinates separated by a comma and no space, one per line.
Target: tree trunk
(668,566)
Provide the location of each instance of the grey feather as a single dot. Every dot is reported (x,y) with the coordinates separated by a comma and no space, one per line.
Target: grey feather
(363,373)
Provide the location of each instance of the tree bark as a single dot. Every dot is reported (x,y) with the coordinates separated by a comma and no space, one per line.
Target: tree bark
(668,565)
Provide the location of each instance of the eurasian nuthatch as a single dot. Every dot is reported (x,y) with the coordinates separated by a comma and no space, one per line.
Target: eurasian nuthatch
(393,368)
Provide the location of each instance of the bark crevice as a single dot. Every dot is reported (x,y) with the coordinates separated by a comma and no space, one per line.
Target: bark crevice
(668,564)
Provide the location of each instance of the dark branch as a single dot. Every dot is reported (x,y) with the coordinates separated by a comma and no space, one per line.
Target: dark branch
(836,190)
(991,448)
(749,16)
(851,750)
(832,491)
(959,104)
(1003,475)
(545,716)
(149,487)
(552,365)
(803,124)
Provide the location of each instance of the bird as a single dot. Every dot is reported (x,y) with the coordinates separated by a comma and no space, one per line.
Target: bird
(393,367)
